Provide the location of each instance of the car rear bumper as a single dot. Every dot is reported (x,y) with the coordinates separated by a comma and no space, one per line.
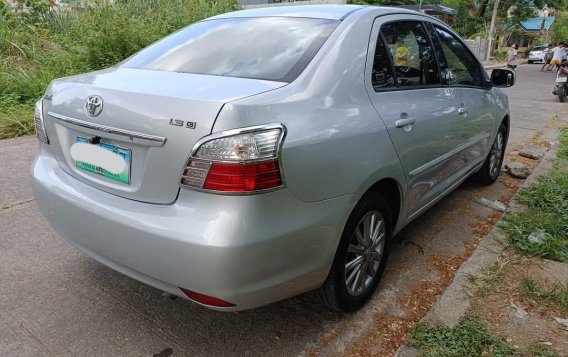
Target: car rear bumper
(247,250)
(534,58)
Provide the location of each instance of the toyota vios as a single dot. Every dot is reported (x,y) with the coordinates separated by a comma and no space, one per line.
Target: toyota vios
(265,153)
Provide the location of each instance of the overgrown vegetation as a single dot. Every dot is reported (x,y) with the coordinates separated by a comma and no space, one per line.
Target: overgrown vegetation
(540,350)
(546,216)
(474,16)
(488,282)
(556,296)
(468,338)
(560,27)
(499,55)
(38,44)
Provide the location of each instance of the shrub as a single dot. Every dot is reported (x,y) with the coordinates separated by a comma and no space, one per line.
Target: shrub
(38,44)
(499,55)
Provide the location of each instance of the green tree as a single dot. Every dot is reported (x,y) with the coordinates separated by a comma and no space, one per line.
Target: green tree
(474,16)
(384,2)
(389,3)
(560,27)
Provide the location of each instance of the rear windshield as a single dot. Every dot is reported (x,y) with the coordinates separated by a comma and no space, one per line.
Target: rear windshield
(539,48)
(269,48)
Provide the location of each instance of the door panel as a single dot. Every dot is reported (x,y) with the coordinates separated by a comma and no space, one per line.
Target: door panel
(477,121)
(425,148)
(420,114)
(462,71)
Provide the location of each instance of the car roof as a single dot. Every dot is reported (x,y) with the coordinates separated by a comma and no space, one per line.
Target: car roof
(331,12)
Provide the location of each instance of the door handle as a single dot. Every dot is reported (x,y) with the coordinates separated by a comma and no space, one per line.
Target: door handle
(401,123)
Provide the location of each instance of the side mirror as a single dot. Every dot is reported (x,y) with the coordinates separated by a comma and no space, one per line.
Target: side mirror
(502,78)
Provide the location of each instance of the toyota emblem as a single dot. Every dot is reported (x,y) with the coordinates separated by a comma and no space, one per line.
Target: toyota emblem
(94,106)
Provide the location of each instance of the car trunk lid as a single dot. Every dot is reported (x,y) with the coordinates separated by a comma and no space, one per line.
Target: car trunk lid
(150,119)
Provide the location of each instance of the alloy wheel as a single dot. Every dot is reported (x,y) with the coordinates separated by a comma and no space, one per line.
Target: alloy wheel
(365,252)
(496,154)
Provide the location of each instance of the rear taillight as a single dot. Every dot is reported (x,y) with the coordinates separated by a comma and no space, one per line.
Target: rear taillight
(38,119)
(237,161)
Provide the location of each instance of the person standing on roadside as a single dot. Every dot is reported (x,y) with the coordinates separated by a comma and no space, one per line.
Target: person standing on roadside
(547,56)
(512,57)
(557,54)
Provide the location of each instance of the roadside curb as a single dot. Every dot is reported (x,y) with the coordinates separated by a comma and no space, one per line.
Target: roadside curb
(453,304)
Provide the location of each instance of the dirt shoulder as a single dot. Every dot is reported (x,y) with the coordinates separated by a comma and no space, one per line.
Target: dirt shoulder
(521,299)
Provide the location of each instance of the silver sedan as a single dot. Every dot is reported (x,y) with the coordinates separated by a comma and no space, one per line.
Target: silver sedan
(265,153)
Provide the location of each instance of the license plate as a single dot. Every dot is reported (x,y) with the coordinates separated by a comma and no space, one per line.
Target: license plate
(561,79)
(126,154)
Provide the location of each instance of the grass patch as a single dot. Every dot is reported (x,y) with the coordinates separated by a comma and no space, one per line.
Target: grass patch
(489,281)
(547,211)
(555,242)
(15,120)
(38,44)
(540,350)
(563,139)
(557,296)
(468,338)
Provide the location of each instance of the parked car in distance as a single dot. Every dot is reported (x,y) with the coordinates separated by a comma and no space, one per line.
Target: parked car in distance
(536,54)
(265,153)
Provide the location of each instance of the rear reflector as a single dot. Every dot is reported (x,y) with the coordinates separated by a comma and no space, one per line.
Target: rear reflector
(206,300)
(243,177)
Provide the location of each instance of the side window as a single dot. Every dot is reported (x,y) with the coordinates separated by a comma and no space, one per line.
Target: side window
(383,76)
(412,54)
(461,66)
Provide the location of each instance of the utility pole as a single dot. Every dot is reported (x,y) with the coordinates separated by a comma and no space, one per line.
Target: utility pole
(492,30)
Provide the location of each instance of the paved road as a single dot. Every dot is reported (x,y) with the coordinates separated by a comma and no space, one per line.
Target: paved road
(55,300)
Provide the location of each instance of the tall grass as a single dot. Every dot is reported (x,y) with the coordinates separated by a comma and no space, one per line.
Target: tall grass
(38,44)
(546,212)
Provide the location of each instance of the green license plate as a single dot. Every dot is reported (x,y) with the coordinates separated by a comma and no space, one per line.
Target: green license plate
(126,154)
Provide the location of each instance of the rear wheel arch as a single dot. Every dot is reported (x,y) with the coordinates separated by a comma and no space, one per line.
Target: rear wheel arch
(384,195)
(361,255)
(390,189)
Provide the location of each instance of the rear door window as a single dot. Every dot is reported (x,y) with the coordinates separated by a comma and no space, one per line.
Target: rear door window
(383,74)
(269,48)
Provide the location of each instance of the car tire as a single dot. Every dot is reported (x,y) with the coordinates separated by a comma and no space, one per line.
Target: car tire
(530,62)
(561,94)
(360,257)
(489,172)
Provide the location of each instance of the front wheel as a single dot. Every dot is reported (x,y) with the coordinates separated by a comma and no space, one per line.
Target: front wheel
(361,256)
(489,172)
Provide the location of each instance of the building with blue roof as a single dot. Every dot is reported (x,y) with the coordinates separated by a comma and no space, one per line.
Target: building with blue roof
(536,24)
(526,32)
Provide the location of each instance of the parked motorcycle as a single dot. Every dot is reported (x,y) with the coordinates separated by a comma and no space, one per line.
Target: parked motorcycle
(561,88)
